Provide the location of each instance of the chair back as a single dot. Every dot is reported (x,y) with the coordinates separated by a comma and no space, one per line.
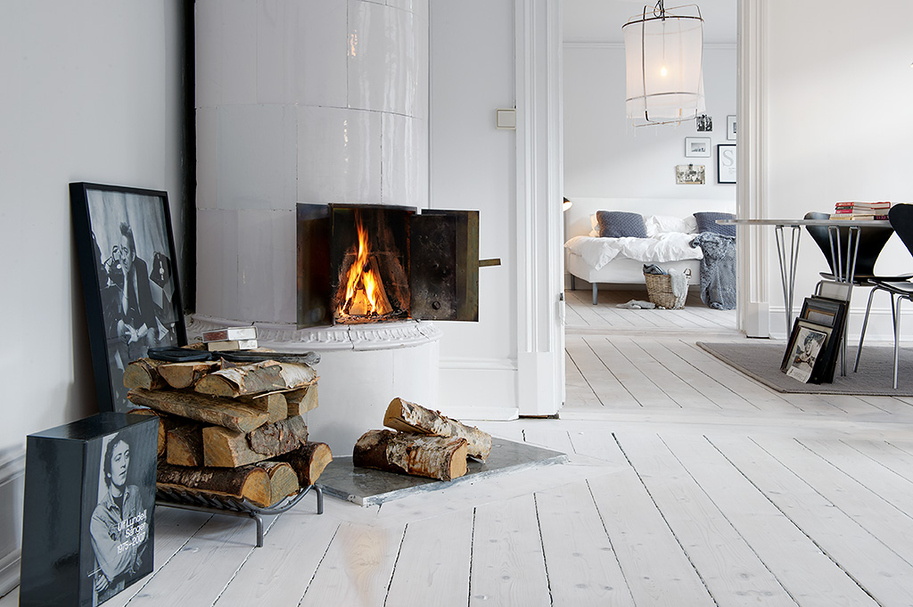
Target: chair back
(901,218)
(871,242)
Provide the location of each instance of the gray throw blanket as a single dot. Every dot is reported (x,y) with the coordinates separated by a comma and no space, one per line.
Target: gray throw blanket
(717,270)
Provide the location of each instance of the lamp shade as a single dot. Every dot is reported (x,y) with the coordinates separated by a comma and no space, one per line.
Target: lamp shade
(663,61)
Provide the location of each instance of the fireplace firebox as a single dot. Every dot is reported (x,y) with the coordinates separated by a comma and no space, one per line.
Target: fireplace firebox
(377,263)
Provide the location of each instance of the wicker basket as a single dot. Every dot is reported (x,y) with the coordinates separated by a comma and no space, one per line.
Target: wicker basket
(659,291)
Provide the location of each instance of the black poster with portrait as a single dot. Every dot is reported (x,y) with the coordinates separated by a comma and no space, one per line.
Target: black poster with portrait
(127,261)
(87,531)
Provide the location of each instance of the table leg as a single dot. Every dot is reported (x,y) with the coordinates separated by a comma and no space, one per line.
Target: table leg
(845,273)
(788,261)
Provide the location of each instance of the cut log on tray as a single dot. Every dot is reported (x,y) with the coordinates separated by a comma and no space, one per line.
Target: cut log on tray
(309,462)
(230,414)
(250,482)
(185,375)
(273,403)
(283,481)
(409,417)
(302,400)
(247,380)
(185,445)
(226,448)
(143,373)
(443,458)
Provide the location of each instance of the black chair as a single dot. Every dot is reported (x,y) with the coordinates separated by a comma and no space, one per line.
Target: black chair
(899,287)
(870,243)
(850,252)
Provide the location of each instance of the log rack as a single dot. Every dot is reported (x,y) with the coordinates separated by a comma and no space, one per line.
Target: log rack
(234,507)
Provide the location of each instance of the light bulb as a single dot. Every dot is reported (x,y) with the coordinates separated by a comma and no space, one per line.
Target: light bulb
(662,71)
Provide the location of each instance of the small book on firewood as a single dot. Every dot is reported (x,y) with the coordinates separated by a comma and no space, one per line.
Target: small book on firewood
(230,333)
(231,344)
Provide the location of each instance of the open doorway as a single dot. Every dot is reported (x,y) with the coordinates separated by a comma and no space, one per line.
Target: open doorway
(611,166)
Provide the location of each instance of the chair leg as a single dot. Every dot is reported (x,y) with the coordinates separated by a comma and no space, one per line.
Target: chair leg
(896,337)
(595,291)
(865,323)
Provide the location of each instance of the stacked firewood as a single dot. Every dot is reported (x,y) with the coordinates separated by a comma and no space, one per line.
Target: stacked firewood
(231,430)
(426,443)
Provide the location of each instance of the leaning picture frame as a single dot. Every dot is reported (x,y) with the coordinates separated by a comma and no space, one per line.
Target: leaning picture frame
(803,357)
(125,248)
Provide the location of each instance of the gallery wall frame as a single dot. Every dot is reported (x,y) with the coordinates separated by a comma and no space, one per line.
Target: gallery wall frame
(731,124)
(726,163)
(690,174)
(697,147)
(125,248)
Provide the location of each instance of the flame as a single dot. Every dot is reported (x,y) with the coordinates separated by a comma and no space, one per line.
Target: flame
(364,295)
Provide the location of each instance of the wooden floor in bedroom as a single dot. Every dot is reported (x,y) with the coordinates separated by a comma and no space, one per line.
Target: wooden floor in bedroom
(688,485)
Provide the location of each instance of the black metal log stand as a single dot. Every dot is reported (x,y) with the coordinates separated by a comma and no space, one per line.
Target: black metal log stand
(173,498)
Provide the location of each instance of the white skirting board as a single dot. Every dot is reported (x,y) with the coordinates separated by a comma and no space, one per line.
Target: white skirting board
(12,486)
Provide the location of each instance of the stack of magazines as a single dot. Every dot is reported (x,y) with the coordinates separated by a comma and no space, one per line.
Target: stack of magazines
(861,210)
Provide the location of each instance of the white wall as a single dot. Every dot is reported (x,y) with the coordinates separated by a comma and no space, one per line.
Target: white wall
(605,157)
(837,126)
(473,166)
(91,92)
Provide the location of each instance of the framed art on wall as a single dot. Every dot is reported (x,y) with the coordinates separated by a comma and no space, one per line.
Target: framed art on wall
(731,128)
(127,262)
(690,174)
(697,147)
(726,163)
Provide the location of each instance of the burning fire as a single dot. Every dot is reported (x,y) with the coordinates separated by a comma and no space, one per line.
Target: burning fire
(364,292)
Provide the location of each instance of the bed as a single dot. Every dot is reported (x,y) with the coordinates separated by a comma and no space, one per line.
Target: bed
(619,256)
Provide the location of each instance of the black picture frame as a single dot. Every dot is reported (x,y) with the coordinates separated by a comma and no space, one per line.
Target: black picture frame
(830,313)
(126,315)
(726,163)
(804,358)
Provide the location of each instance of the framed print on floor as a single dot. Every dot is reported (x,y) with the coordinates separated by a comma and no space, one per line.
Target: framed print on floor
(129,276)
(804,354)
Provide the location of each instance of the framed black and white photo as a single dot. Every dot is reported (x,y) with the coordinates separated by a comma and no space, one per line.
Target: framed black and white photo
(697,147)
(129,275)
(730,128)
(803,356)
(690,174)
(704,123)
(726,163)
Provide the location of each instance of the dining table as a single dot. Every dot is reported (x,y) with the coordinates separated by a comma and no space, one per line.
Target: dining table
(788,255)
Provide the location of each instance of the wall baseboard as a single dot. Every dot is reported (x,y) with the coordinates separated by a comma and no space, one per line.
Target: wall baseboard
(12,484)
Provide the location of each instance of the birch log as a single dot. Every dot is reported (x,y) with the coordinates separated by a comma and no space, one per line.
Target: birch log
(309,461)
(248,482)
(416,454)
(143,373)
(273,403)
(302,400)
(185,445)
(185,375)
(283,481)
(201,408)
(248,380)
(227,448)
(409,417)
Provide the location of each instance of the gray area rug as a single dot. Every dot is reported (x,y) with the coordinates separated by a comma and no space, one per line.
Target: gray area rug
(760,360)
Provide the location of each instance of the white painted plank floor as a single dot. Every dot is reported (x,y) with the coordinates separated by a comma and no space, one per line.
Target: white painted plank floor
(687,485)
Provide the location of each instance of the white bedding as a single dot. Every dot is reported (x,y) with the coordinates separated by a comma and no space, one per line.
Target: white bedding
(665,247)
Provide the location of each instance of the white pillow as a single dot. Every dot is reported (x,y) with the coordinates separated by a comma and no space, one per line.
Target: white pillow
(664,224)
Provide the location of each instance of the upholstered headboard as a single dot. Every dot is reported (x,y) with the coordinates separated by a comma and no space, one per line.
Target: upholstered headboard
(577,218)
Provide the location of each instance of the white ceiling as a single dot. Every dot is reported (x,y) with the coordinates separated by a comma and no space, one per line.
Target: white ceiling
(601,20)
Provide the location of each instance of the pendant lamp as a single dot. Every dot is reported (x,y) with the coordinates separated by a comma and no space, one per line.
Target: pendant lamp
(663,60)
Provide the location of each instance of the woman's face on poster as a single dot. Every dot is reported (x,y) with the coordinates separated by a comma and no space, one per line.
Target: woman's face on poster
(120,461)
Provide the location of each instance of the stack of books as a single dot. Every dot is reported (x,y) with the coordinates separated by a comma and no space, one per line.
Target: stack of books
(861,210)
(231,338)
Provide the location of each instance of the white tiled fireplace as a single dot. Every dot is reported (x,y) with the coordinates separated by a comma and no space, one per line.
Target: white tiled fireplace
(311,101)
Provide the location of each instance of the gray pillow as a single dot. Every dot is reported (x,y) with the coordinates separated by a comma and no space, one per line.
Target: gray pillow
(619,224)
(706,222)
